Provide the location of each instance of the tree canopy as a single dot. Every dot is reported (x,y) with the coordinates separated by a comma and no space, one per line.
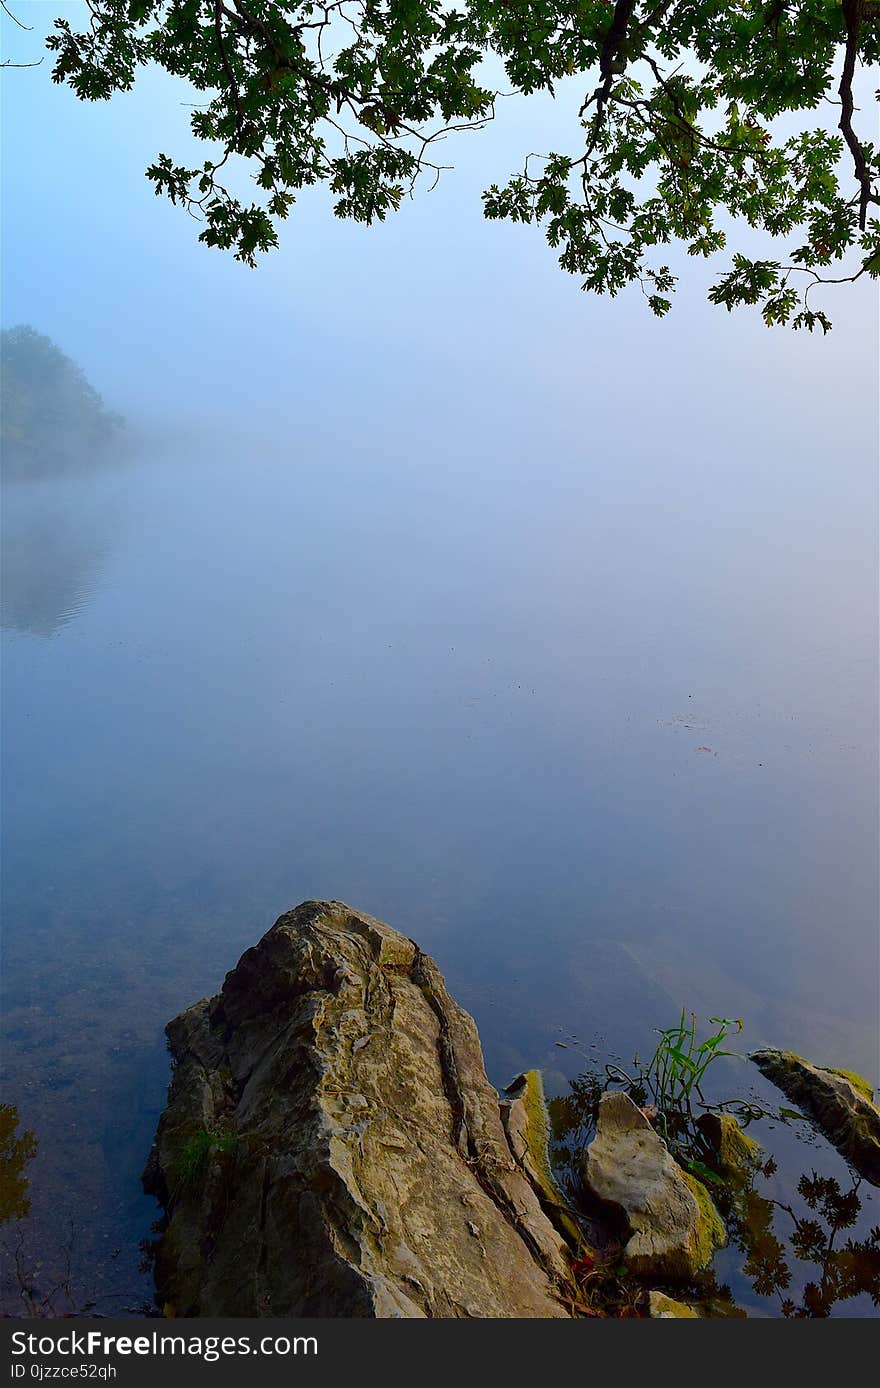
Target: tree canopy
(51,418)
(704,122)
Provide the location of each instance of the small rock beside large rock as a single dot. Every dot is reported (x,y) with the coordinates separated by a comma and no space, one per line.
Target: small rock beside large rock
(665,1308)
(673,1227)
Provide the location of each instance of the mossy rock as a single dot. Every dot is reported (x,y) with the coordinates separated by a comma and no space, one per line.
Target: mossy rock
(666,1308)
(709,1233)
(839,1102)
(858,1082)
(734,1153)
(538,1128)
(527,1122)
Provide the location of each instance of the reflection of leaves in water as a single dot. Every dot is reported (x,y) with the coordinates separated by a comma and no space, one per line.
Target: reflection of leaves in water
(773,1236)
(844,1272)
(42,1286)
(16,1150)
(573,1123)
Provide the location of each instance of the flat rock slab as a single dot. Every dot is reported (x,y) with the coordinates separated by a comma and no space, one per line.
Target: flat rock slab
(673,1226)
(333,1147)
(839,1103)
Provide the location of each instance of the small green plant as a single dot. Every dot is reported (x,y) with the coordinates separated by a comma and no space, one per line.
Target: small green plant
(679,1064)
(666,1086)
(196,1153)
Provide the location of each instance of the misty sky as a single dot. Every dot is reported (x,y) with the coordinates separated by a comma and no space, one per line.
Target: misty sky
(438,336)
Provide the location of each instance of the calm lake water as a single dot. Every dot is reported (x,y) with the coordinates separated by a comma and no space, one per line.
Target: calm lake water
(601,736)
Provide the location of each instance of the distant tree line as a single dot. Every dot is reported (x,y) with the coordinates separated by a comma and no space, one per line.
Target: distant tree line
(51,419)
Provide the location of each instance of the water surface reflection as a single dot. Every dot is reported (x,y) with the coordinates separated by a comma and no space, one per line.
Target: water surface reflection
(55,536)
(599,758)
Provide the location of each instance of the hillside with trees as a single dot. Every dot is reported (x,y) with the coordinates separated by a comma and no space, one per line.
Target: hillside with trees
(52,419)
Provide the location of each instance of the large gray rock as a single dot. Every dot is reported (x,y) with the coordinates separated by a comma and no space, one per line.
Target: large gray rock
(839,1102)
(332,1146)
(673,1227)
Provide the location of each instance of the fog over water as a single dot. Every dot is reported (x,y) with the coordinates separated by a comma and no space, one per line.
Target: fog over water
(538,628)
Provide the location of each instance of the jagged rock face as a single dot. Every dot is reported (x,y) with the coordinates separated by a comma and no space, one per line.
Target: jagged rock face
(673,1226)
(839,1103)
(332,1146)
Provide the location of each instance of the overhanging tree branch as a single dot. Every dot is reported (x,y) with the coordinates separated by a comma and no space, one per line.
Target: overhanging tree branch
(679,134)
(853,12)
